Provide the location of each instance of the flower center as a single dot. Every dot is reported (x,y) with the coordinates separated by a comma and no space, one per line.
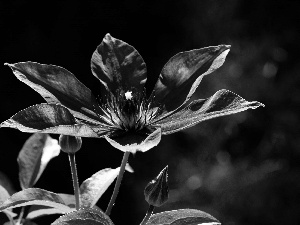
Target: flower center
(127,111)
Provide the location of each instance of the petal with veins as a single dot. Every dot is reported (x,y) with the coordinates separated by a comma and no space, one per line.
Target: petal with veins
(222,103)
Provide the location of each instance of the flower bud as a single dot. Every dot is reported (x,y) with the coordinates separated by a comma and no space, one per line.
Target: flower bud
(70,144)
(157,191)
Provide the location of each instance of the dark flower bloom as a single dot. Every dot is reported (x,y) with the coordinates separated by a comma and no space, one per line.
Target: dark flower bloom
(123,114)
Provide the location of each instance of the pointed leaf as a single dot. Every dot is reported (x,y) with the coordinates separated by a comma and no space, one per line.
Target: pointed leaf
(92,188)
(6,183)
(29,222)
(182,217)
(222,103)
(35,196)
(58,86)
(118,65)
(51,118)
(132,146)
(40,210)
(68,199)
(38,146)
(4,195)
(50,150)
(83,216)
(183,73)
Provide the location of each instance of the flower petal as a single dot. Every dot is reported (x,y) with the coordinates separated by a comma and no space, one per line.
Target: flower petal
(222,103)
(132,146)
(51,118)
(183,73)
(57,85)
(118,65)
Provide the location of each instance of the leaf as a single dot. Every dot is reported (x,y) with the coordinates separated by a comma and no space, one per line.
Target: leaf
(29,159)
(182,217)
(29,222)
(92,188)
(50,150)
(68,199)
(36,211)
(83,216)
(6,183)
(34,156)
(40,210)
(4,195)
(35,196)
(222,103)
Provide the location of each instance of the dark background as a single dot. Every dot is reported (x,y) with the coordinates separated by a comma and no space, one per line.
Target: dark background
(243,169)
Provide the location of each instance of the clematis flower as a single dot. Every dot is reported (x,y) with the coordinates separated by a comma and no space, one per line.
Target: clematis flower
(123,114)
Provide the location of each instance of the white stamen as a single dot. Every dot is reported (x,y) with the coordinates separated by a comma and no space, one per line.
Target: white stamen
(128,95)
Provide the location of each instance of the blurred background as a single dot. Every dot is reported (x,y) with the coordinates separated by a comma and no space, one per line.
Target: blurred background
(243,169)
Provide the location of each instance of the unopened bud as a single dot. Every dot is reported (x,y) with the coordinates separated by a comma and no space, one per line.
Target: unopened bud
(157,191)
(70,144)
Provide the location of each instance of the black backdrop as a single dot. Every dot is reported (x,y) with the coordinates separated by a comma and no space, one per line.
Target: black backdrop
(243,169)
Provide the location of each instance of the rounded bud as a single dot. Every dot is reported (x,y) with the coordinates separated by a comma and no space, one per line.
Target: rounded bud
(157,191)
(70,144)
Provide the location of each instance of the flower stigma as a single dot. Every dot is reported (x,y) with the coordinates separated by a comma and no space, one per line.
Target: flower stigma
(128,95)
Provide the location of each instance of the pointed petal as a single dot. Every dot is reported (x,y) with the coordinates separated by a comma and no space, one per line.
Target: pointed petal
(51,118)
(132,146)
(222,103)
(118,65)
(59,86)
(183,73)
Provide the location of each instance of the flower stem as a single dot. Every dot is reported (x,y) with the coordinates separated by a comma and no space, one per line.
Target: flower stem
(118,183)
(20,216)
(148,214)
(75,178)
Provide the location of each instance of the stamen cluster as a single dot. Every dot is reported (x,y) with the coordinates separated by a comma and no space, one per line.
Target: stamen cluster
(127,111)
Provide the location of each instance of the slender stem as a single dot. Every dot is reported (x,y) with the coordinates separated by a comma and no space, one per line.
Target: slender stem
(118,183)
(11,220)
(148,214)
(75,178)
(20,216)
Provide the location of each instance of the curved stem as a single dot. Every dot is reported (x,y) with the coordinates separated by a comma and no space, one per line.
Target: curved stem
(74,178)
(148,214)
(118,183)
